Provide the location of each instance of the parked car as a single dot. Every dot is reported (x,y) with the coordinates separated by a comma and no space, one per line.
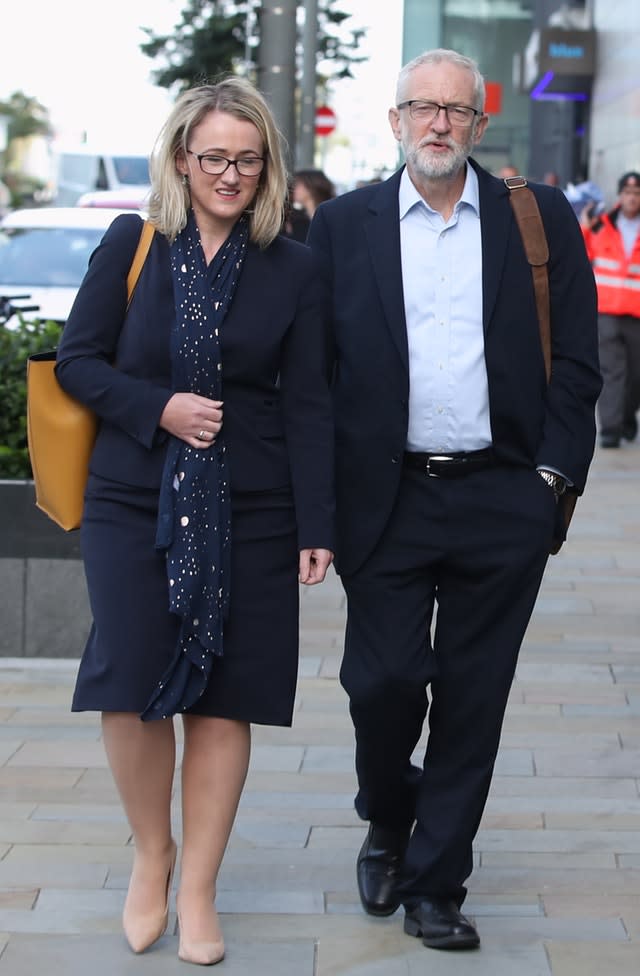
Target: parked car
(129,198)
(5,199)
(44,252)
(83,169)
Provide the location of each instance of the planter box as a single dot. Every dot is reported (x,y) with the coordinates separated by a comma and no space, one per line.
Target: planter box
(44,608)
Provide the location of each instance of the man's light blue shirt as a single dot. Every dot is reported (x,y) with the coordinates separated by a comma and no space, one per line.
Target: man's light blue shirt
(442,281)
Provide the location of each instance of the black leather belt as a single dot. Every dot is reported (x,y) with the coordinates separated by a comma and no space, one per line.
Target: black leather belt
(455,465)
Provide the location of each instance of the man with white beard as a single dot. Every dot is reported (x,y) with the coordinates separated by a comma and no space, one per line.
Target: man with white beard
(453,455)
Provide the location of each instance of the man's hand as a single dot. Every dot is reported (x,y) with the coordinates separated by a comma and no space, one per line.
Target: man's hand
(588,216)
(314,564)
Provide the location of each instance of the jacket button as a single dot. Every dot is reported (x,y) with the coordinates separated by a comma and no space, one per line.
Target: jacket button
(395,459)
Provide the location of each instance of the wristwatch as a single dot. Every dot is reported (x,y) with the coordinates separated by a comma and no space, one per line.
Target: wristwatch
(555,481)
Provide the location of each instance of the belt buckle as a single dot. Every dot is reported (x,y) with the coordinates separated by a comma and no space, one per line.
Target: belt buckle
(439,458)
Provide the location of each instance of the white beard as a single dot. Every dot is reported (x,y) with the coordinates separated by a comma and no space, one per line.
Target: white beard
(432,166)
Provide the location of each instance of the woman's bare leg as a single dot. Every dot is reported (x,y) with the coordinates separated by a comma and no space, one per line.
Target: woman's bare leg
(142,758)
(214,769)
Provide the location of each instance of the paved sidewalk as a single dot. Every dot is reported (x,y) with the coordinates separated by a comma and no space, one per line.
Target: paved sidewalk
(556,888)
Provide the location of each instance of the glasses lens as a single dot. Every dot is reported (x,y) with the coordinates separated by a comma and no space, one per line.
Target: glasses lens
(423,111)
(249,166)
(427,111)
(459,115)
(216,165)
(213,165)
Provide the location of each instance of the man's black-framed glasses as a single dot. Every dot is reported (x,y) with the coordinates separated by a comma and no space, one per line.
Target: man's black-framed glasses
(215,165)
(421,111)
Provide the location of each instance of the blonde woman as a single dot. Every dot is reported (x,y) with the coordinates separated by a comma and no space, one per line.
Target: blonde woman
(210,494)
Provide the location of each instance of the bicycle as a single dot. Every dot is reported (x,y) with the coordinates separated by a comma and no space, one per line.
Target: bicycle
(8,308)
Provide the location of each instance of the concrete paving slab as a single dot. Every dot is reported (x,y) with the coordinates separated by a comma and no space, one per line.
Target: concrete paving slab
(61,874)
(79,732)
(555,888)
(394,957)
(594,959)
(564,672)
(86,812)
(38,832)
(619,764)
(58,752)
(538,860)
(106,955)
(277,758)
(556,929)
(271,835)
(273,902)
(551,879)
(581,841)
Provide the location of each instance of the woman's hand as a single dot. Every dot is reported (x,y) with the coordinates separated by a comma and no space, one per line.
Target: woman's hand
(314,564)
(195,419)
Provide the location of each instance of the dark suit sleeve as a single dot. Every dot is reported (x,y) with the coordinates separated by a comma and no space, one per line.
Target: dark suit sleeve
(319,242)
(307,414)
(568,435)
(87,353)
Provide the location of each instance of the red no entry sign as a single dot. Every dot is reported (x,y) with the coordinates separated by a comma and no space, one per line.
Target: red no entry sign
(325,120)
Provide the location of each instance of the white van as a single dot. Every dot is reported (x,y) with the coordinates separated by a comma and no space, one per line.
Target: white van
(84,170)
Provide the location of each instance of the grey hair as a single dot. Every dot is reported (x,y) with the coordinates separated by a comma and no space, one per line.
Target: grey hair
(439,56)
(169,200)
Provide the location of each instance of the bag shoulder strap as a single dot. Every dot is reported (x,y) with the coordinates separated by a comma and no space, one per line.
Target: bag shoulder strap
(146,236)
(527,214)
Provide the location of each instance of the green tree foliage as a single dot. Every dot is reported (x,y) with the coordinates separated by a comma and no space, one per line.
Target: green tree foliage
(27,117)
(28,121)
(16,345)
(214,37)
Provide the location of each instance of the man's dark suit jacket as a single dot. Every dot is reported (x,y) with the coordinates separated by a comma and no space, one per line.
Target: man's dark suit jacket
(357,236)
(277,420)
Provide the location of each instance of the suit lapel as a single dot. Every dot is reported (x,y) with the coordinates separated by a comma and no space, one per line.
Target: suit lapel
(382,229)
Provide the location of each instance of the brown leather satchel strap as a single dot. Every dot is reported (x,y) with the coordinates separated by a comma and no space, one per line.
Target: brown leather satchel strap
(146,236)
(527,214)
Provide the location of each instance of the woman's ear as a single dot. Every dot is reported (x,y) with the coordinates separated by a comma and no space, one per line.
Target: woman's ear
(181,163)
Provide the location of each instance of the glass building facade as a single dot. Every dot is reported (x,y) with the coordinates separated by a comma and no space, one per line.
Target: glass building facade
(492,32)
(614,138)
(540,131)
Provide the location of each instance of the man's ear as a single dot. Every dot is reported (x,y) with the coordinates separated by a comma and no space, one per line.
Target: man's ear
(394,122)
(480,129)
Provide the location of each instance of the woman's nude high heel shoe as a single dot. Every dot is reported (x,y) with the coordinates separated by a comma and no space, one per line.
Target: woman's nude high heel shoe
(142,930)
(200,953)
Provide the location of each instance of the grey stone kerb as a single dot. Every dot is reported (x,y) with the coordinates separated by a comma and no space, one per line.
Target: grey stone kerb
(44,609)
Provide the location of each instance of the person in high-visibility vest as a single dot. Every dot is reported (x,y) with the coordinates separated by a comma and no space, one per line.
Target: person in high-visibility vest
(613,245)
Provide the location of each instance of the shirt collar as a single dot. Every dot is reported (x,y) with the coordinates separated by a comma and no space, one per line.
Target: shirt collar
(408,196)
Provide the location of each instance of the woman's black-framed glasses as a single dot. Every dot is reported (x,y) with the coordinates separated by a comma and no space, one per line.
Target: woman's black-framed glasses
(214,165)
(461,115)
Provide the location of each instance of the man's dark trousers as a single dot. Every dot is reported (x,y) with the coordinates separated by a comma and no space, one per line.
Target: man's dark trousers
(476,547)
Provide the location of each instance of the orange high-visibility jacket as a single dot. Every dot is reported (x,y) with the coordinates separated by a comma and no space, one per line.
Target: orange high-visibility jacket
(617,274)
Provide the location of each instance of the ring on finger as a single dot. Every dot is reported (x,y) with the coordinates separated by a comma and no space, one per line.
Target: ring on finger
(202,436)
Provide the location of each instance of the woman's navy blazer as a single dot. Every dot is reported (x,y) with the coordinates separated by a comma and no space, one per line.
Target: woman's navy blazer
(277,419)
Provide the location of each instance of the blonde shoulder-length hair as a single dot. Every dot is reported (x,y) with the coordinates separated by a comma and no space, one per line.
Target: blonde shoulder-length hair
(169,199)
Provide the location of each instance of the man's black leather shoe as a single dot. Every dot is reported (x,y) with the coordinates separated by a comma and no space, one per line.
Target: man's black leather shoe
(378,869)
(441,925)
(630,429)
